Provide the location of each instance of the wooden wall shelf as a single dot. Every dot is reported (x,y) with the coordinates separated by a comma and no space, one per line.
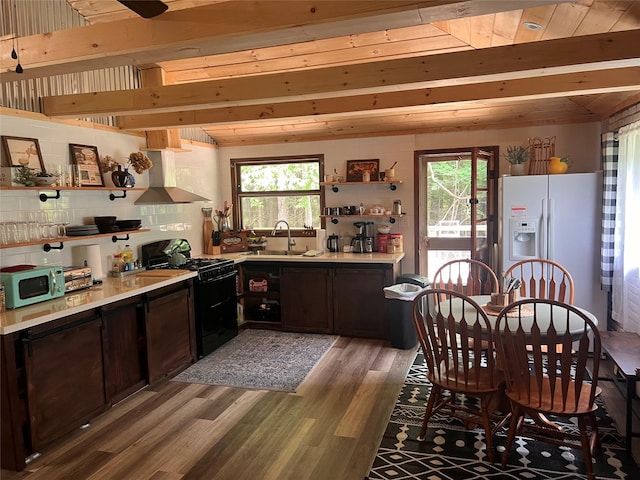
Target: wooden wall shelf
(61,240)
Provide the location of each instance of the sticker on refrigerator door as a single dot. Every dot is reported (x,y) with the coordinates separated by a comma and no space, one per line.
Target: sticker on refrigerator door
(518,211)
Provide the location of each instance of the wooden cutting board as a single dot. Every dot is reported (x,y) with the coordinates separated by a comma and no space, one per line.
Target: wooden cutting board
(161,272)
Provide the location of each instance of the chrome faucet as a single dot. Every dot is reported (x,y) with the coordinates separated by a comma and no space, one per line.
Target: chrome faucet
(290,241)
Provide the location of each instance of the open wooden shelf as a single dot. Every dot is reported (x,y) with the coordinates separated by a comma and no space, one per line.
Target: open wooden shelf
(75,238)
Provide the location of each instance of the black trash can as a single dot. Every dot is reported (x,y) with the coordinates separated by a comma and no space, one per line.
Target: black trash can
(399,302)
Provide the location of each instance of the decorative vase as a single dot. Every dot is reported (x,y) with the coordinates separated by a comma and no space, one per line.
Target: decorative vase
(556,165)
(517,169)
(122,178)
(131,180)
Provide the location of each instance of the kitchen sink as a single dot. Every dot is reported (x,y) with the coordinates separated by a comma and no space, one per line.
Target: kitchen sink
(279,252)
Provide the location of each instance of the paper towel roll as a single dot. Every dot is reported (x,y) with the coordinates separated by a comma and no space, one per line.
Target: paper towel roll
(90,254)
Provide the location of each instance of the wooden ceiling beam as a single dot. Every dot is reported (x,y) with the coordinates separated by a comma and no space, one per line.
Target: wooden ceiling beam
(583,83)
(221,28)
(576,54)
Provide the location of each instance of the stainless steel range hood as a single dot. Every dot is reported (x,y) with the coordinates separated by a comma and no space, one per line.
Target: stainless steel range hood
(162,182)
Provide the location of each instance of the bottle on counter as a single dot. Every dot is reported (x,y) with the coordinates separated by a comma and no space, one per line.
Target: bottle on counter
(127,258)
(118,261)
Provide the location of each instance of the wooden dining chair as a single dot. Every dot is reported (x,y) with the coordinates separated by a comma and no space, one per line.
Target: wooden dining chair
(544,382)
(543,278)
(447,334)
(471,277)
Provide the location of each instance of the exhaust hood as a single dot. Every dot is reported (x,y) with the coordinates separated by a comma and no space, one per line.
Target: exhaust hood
(162,182)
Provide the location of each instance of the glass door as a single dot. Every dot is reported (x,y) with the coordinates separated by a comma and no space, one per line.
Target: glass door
(456,207)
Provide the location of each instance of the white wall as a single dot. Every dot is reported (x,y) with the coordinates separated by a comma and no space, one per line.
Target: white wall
(205,170)
(197,171)
(581,142)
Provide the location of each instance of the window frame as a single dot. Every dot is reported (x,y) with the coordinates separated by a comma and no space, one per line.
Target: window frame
(237,194)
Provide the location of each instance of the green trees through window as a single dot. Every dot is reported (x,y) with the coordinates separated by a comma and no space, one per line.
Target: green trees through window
(269,190)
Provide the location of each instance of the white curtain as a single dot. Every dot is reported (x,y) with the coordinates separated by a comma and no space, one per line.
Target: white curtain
(626,263)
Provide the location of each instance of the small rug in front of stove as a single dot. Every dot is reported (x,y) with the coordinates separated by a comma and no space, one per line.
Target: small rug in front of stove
(450,452)
(261,360)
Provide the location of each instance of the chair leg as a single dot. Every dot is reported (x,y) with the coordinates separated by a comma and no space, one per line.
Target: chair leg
(433,396)
(488,430)
(516,417)
(586,446)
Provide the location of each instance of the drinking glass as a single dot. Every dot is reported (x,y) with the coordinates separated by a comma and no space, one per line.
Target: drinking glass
(34,227)
(62,220)
(73,172)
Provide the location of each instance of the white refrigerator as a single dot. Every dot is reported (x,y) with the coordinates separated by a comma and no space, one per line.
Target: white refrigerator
(556,217)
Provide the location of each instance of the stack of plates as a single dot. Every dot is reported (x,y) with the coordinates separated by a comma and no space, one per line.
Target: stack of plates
(81,230)
(129,224)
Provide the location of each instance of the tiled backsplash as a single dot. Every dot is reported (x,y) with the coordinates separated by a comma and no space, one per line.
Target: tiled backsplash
(196,171)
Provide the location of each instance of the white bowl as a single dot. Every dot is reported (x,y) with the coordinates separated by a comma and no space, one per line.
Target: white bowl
(45,180)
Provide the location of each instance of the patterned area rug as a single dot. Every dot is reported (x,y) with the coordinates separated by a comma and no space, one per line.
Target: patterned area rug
(262,360)
(451,452)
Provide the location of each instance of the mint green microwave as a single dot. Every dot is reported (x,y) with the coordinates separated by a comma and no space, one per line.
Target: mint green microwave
(33,285)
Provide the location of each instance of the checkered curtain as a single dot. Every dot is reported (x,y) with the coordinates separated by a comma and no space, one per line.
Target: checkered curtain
(609,144)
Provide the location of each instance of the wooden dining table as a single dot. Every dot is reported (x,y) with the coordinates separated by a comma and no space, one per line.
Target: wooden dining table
(543,314)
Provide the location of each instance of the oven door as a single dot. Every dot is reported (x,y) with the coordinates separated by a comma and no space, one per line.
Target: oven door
(216,312)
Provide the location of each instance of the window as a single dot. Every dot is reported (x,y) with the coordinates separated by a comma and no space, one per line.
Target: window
(266,190)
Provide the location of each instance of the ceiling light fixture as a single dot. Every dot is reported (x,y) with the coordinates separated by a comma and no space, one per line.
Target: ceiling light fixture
(532,26)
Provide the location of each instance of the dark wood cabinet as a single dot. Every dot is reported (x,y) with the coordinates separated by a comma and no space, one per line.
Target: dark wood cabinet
(124,349)
(65,376)
(60,375)
(170,334)
(341,298)
(307,301)
(260,294)
(358,300)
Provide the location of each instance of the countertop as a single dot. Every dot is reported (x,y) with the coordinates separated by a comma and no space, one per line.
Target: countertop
(327,257)
(112,290)
(115,289)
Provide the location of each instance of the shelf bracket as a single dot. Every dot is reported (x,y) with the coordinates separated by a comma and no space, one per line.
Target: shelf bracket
(334,220)
(393,187)
(335,188)
(112,196)
(392,220)
(47,247)
(44,197)
(115,238)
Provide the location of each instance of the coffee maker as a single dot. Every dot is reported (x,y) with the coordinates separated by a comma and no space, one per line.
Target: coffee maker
(363,241)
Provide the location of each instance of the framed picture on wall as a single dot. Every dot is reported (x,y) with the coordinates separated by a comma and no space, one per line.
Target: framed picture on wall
(355,168)
(88,161)
(22,152)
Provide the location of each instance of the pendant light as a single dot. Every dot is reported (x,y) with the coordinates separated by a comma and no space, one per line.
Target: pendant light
(16,47)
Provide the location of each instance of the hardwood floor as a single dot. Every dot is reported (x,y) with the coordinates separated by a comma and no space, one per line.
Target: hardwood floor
(329,430)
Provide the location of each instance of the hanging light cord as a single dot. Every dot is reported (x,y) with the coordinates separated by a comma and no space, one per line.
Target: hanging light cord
(14,52)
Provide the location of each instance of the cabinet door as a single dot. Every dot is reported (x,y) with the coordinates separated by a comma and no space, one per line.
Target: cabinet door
(358,302)
(168,325)
(124,349)
(65,377)
(306,299)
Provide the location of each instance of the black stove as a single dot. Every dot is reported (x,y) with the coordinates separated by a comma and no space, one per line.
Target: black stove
(176,254)
(215,297)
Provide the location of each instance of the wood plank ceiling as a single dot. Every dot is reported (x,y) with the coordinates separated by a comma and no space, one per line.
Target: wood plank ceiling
(273,72)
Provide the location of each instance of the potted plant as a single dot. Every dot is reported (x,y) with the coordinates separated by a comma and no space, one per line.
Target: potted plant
(122,178)
(517,155)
